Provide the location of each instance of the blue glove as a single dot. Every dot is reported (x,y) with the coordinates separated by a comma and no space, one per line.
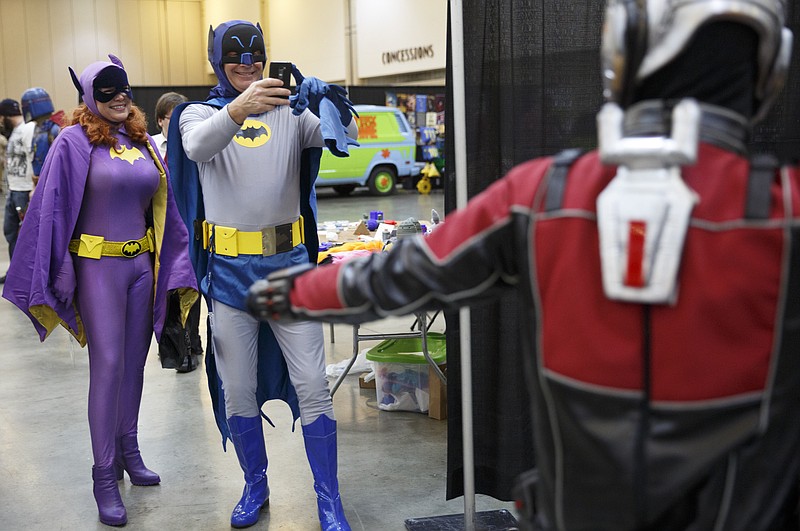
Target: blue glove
(330,104)
(338,95)
(311,90)
(332,131)
(309,93)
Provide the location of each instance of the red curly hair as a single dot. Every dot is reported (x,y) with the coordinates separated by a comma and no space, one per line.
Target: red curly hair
(99,131)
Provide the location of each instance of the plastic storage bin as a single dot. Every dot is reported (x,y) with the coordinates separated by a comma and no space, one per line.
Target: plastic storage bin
(402,380)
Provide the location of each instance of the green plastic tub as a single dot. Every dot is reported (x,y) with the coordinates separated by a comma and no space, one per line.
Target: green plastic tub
(402,379)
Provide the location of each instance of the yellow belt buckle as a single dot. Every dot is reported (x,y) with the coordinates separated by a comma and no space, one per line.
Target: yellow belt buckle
(91,246)
(225,241)
(268,241)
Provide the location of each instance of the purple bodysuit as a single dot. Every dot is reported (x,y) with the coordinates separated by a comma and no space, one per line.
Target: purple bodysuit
(118,192)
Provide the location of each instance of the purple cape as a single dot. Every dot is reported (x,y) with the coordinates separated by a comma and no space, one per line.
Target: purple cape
(48,227)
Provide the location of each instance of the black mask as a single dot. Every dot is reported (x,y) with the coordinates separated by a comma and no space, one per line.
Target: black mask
(111,77)
(246,42)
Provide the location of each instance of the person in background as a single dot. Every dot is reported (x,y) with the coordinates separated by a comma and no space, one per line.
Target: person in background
(37,107)
(101,249)
(243,165)
(177,352)
(660,275)
(166,102)
(4,134)
(19,171)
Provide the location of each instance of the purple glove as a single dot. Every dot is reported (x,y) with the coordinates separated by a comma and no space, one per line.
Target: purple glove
(64,283)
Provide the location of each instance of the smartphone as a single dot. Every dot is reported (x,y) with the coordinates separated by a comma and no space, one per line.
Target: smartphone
(281,70)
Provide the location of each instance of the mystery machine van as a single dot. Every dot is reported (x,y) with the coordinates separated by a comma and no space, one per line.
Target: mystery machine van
(386,157)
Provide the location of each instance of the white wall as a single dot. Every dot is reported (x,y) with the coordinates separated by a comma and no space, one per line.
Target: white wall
(158,41)
(310,34)
(400,36)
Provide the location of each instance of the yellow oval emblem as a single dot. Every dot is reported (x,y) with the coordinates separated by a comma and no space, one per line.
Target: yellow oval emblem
(131,248)
(252,134)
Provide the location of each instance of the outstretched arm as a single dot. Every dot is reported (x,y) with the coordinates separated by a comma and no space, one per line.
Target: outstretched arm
(472,256)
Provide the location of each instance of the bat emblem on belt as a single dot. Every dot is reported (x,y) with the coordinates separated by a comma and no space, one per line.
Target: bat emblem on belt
(131,248)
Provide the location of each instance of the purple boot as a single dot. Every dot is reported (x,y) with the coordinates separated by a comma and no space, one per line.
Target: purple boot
(127,458)
(106,494)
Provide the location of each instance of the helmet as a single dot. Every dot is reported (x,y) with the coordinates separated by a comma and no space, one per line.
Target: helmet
(642,36)
(35,103)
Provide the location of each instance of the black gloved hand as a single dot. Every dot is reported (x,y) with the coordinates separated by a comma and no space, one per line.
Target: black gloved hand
(269,298)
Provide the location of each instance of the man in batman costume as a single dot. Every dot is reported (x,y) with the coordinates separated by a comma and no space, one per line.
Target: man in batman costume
(243,165)
(100,251)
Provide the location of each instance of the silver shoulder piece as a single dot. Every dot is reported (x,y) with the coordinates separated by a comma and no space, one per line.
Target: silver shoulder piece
(644,212)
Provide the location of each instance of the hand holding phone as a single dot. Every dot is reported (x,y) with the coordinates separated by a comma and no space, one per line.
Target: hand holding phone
(281,70)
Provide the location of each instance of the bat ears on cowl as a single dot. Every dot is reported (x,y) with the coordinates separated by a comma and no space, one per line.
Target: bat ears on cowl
(116,60)
(77,84)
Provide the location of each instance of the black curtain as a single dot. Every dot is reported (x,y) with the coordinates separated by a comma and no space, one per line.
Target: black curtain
(533,87)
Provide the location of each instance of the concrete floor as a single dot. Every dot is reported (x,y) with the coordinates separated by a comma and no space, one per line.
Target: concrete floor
(392,465)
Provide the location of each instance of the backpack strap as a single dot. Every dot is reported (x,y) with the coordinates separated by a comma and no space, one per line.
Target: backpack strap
(52,132)
(557,177)
(757,200)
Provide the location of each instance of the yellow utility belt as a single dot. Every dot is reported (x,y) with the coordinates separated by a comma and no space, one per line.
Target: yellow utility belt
(89,246)
(229,241)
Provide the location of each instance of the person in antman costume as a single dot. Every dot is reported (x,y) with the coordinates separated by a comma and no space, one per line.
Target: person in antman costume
(661,275)
(101,248)
(243,164)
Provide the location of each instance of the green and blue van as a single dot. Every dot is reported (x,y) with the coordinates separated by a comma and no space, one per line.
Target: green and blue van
(386,156)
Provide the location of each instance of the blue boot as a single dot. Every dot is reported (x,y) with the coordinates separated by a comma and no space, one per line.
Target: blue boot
(320,439)
(247,435)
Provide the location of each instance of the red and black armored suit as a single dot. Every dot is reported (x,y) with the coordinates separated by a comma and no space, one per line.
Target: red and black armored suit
(683,416)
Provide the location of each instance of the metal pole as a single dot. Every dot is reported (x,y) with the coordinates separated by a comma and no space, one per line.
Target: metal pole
(460,140)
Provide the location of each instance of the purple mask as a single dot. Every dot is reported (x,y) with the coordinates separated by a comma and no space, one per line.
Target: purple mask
(110,75)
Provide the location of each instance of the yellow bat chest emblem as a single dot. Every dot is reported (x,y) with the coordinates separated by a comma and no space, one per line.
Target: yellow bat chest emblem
(129,154)
(253,134)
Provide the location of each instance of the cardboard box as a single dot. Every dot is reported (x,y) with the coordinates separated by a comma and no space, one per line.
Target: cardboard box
(402,377)
(363,384)
(438,405)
